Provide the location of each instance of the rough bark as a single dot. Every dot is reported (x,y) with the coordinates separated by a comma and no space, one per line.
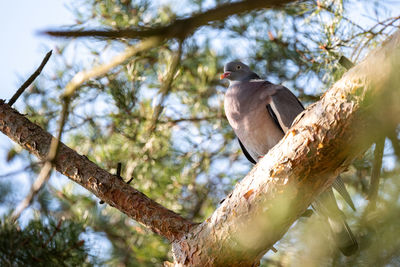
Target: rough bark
(322,143)
(81,170)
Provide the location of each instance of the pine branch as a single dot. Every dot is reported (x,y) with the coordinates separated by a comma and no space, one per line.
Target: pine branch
(180,28)
(104,185)
(324,140)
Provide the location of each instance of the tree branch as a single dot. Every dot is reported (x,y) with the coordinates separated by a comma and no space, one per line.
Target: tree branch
(179,28)
(101,183)
(30,79)
(323,142)
(69,91)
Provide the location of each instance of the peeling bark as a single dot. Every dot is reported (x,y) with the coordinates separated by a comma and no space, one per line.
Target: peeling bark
(324,140)
(98,181)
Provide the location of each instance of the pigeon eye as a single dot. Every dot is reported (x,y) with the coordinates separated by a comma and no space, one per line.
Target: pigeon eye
(238,67)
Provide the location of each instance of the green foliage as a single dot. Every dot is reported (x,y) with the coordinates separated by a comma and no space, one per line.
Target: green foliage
(43,244)
(191,160)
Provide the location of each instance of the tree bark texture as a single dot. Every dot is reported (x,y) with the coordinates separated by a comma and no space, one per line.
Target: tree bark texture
(323,141)
(81,170)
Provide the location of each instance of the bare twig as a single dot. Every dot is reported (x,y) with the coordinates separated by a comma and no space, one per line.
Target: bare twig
(375,175)
(286,179)
(119,169)
(82,77)
(374,34)
(30,79)
(351,124)
(104,185)
(130,180)
(179,28)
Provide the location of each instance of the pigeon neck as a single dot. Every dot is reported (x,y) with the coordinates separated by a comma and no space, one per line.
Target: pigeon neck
(251,76)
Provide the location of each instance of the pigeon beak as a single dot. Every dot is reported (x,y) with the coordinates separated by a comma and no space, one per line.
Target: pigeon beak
(226,74)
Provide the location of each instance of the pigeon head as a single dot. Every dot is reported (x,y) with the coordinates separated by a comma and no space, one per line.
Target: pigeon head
(238,71)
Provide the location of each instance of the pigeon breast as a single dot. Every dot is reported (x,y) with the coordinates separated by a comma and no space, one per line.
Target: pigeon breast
(245,107)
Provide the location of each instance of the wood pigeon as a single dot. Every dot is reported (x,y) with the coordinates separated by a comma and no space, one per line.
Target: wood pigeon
(260,114)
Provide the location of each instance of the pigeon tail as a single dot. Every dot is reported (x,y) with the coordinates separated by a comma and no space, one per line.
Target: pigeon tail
(343,236)
(325,204)
(339,186)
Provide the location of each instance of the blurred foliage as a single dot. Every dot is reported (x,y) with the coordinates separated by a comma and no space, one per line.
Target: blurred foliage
(192,159)
(43,242)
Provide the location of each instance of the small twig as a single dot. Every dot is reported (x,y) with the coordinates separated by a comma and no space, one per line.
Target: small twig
(83,76)
(345,62)
(119,168)
(80,170)
(374,34)
(375,175)
(30,79)
(130,180)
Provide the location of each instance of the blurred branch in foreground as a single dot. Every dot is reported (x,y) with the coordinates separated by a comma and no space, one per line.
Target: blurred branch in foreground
(279,189)
(180,28)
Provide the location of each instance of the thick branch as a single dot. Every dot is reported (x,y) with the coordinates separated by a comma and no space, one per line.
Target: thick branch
(180,28)
(101,183)
(323,142)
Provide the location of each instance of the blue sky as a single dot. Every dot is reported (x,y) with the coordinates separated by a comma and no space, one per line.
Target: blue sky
(22,49)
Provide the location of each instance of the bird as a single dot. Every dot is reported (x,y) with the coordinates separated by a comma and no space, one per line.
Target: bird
(260,113)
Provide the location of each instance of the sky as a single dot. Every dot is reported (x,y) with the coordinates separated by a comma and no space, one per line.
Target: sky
(25,48)
(22,49)
(21,52)
(20,55)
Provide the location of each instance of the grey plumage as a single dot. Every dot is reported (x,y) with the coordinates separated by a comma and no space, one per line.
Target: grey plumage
(260,113)
(339,186)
